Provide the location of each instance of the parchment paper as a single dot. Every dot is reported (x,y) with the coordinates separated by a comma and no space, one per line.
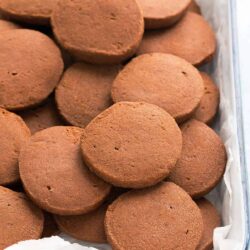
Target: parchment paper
(229,195)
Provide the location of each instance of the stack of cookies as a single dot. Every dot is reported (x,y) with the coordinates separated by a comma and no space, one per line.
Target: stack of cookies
(105,123)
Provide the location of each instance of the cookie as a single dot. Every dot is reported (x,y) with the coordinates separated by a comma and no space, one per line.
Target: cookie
(153,218)
(192,39)
(209,104)
(161,79)
(103,32)
(28,11)
(84,92)
(202,162)
(30,68)
(13,135)
(88,227)
(132,144)
(42,117)
(194,7)
(162,13)
(6,26)
(54,175)
(211,220)
(19,219)
(50,226)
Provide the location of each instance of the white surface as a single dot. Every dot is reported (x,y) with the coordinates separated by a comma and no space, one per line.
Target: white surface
(229,195)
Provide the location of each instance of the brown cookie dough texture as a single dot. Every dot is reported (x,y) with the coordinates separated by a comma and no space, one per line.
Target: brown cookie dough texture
(194,7)
(88,227)
(6,25)
(153,218)
(132,144)
(192,39)
(42,117)
(100,31)
(211,220)
(161,79)
(30,68)
(209,104)
(202,162)
(54,175)
(162,13)
(19,218)
(13,135)
(84,92)
(28,11)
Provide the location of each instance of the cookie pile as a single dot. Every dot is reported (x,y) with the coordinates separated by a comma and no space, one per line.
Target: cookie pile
(104,123)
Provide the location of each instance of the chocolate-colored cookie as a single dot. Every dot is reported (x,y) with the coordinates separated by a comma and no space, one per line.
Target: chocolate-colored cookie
(203,159)
(84,92)
(191,38)
(209,104)
(87,227)
(19,218)
(103,31)
(153,218)
(161,79)
(50,226)
(132,144)
(28,11)
(6,25)
(30,68)
(42,117)
(211,220)
(162,13)
(54,175)
(194,7)
(13,135)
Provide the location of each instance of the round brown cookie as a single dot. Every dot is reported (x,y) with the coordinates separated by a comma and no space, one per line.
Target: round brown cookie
(19,218)
(13,135)
(50,226)
(202,162)
(28,11)
(153,218)
(132,144)
(88,227)
(84,92)
(112,30)
(6,25)
(30,68)
(162,13)
(161,79)
(191,38)
(194,7)
(54,175)
(211,220)
(42,117)
(209,104)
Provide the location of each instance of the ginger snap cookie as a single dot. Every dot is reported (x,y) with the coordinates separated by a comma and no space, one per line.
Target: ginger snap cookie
(30,68)
(162,13)
(153,218)
(14,134)
(19,218)
(88,227)
(209,104)
(192,39)
(102,31)
(42,117)
(54,174)
(202,162)
(211,220)
(6,26)
(161,79)
(194,7)
(28,11)
(84,92)
(132,144)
